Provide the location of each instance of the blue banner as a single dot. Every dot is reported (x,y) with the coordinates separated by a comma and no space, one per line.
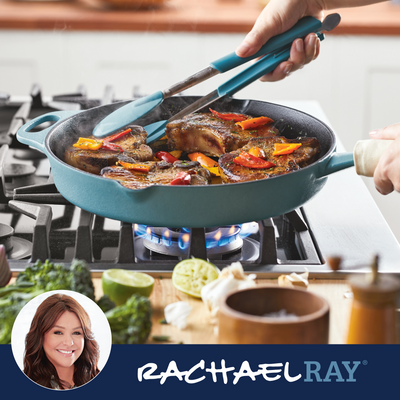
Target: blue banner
(212,371)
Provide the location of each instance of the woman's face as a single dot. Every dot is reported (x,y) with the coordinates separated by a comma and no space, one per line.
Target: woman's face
(64,342)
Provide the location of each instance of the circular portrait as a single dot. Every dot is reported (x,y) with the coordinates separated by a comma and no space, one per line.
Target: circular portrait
(61,340)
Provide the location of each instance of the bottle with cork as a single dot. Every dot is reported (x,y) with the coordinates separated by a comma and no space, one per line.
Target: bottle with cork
(373,317)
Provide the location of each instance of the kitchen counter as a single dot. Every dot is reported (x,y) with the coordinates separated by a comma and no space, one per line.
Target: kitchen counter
(201,331)
(211,16)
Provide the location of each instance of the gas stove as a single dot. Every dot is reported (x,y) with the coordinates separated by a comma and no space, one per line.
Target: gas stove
(36,222)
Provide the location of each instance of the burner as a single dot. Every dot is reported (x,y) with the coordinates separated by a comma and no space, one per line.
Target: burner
(175,242)
(249,252)
(16,248)
(22,248)
(6,233)
(28,154)
(17,175)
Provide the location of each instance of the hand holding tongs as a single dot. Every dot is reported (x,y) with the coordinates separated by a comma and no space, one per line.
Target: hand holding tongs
(277,50)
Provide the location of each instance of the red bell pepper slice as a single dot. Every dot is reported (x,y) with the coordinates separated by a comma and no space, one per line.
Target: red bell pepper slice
(164,155)
(111,146)
(118,135)
(250,161)
(229,116)
(181,178)
(107,145)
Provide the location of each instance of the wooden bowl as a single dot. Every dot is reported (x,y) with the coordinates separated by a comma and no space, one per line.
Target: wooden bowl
(242,317)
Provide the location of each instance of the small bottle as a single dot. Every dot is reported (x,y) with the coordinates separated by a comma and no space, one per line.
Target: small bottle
(373,318)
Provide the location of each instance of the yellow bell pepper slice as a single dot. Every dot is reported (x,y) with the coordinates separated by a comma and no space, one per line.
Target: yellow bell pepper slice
(176,153)
(254,122)
(257,152)
(145,168)
(88,144)
(205,161)
(214,170)
(285,148)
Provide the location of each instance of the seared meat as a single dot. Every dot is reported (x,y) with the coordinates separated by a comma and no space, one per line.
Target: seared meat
(133,144)
(160,173)
(303,156)
(211,135)
(141,153)
(89,160)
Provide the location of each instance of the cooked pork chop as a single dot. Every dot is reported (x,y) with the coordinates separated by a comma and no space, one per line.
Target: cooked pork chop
(133,144)
(208,134)
(160,173)
(303,156)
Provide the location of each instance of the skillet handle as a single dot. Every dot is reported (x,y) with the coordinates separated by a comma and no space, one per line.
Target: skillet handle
(37,139)
(336,163)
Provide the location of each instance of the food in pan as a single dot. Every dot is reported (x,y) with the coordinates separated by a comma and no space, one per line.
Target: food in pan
(135,175)
(215,134)
(266,157)
(91,154)
(200,149)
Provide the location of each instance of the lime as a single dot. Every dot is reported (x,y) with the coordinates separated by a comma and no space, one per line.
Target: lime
(120,284)
(189,276)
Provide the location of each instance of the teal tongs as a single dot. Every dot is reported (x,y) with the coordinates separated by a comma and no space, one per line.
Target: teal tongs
(275,51)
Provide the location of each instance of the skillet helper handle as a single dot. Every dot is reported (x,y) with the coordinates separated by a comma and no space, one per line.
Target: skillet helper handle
(302,28)
(36,139)
(367,154)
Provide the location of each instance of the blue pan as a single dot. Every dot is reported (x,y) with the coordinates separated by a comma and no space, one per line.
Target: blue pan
(186,206)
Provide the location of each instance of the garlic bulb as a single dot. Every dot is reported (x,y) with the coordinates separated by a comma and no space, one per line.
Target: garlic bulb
(230,278)
(294,279)
(177,313)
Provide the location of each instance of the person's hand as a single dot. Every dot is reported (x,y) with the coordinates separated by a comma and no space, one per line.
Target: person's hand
(387,172)
(278,16)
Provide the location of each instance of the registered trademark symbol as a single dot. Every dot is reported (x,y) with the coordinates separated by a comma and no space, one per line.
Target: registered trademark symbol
(365,362)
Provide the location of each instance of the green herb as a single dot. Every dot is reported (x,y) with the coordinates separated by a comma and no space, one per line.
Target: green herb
(105,303)
(131,322)
(35,280)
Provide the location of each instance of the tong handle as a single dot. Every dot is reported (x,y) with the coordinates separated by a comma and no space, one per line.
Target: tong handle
(302,28)
(252,73)
(261,67)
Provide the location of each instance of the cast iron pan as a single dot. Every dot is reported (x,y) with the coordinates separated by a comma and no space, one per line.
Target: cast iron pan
(186,206)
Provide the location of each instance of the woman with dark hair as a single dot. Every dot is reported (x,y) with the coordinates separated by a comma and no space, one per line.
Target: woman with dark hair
(60,350)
